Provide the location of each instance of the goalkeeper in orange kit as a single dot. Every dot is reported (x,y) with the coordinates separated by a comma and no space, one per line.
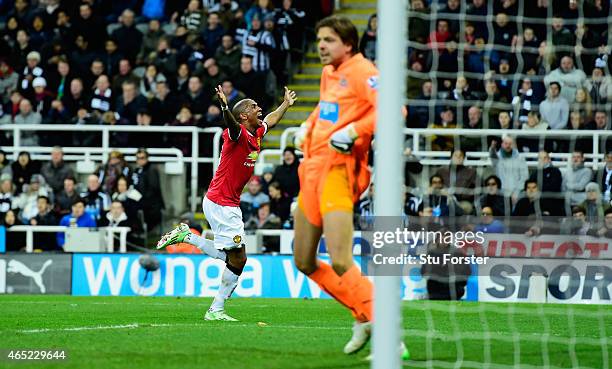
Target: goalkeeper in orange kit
(336,141)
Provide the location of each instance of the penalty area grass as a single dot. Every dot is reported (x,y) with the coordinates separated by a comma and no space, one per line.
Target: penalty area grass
(169,332)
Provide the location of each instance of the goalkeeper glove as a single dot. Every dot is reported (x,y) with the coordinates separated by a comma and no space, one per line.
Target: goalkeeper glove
(343,140)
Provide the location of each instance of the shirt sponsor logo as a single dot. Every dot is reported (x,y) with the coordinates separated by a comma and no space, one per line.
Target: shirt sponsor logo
(251,159)
(373,82)
(328,111)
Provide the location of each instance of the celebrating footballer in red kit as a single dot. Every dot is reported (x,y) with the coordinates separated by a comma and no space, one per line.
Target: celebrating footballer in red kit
(221,205)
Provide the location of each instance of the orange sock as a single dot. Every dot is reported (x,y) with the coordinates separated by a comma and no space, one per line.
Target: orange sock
(351,289)
(362,292)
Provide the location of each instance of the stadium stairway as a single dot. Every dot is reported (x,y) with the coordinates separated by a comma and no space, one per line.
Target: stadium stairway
(306,81)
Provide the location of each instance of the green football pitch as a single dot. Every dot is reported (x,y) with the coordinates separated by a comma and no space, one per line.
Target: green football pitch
(165,332)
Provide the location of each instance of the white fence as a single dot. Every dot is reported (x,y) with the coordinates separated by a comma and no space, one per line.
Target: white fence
(474,158)
(110,232)
(100,153)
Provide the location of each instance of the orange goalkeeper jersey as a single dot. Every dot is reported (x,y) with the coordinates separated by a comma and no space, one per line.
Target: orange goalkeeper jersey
(347,95)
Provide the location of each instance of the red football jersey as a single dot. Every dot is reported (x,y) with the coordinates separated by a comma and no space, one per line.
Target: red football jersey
(237,164)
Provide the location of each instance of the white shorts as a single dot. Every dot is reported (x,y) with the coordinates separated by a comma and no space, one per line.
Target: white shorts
(226,224)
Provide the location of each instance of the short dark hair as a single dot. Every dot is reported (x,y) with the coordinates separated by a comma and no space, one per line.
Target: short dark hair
(578,209)
(344,28)
(436,176)
(43,197)
(530,181)
(555,83)
(495,178)
(79,200)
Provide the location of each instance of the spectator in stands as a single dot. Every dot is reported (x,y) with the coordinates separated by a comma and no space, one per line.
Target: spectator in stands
(91,26)
(494,198)
(111,57)
(124,74)
(182,141)
(604,177)
(257,43)
(418,24)
(116,217)
(555,109)
(129,38)
(509,166)
(27,200)
(447,120)
(263,219)
(547,176)
(260,10)
(197,98)
(129,103)
(522,103)
(148,83)
(287,173)
(21,50)
(533,124)
(594,205)
(599,86)
(129,197)
(6,194)
(164,58)
(578,224)
(504,33)
(606,229)
(474,121)
(228,56)
(367,44)
(492,117)
(569,78)
(28,116)
(56,171)
(418,115)
(5,164)
(251,200)
(250,81)
(66,197)
(212,34)
(582,104)
(451,8)
(30,72)
(562,37)
(79,217)
(193,17)
(280,203)
(15,241)
(533,204)
(504,79)
(488,224)
(115,167)
(23,169)
(41,98)
(95,200)
(290,23)
(44,217)
(145,179)
(165,105)
(212,76)
(8,81)
(149,41)
(76,98)
(439,199)
(463,179)
(102,99)
(576,177)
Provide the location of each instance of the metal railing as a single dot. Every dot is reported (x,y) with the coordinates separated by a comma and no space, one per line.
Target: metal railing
(481,158)
(106,131)
(110,231)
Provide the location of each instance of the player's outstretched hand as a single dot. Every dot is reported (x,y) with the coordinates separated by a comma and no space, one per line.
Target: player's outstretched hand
(290,96)
(221,96)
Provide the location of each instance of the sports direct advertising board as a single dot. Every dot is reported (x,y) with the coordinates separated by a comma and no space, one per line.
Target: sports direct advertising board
(556,269)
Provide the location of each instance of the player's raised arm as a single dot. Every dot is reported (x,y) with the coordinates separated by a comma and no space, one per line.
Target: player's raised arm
(274,117)
(228,117)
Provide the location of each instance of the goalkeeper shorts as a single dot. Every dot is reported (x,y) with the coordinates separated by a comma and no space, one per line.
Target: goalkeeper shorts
(320,195)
